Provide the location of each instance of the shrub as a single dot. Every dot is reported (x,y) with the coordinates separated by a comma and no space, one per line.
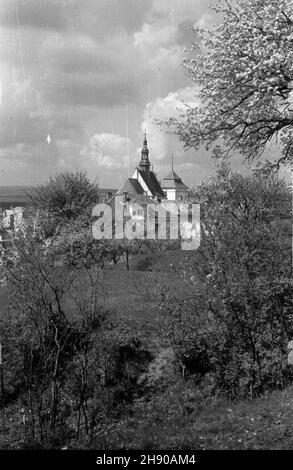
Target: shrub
(238,318)
(65,196)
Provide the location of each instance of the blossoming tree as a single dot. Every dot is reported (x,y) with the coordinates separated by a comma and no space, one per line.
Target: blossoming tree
(243,71)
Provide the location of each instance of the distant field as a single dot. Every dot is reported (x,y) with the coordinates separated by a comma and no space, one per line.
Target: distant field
(130,294)
(174,414)
(12,196)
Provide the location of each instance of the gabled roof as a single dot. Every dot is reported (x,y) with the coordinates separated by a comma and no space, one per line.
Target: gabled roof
(105,191)
(173,181)
(173,176)
(130,186)
(168,184)
(152,183)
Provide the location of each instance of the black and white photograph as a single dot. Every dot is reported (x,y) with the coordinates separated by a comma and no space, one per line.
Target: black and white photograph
(146,290)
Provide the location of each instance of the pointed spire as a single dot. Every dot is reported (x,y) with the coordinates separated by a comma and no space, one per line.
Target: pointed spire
(144,163)
(145,144)
(172,161)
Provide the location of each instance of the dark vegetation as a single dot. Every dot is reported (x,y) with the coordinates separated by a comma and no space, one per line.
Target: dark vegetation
(121,345)
(183,350)
(237,321)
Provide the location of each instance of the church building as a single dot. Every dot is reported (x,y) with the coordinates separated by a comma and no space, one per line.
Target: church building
(144,182)
(174,188)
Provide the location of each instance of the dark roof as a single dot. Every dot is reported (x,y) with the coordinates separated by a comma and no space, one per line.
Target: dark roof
(174,185)
(104,191)
(142,200)
(152,183)
(173,181)
(130,186)
(173,176)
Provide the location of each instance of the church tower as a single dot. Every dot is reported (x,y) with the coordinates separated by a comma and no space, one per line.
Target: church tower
(144,181)
(144,164)
(174,187)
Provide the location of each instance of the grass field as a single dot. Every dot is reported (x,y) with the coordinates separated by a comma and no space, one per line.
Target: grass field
(175,414)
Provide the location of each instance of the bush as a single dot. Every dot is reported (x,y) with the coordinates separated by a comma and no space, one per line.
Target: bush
(238,319)
(65,196)
(64,365)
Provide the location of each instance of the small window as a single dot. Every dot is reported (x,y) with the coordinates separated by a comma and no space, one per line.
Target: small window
(134,213)
(139,212)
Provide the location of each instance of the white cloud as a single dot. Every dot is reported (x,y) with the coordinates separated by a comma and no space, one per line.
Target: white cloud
(204,22)
(75,72)
(108,150)
(159,138)
(177,10)
(155,35)
(108,142)
(164,37)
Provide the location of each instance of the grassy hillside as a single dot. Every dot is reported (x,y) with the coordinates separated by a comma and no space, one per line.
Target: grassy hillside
(172,413)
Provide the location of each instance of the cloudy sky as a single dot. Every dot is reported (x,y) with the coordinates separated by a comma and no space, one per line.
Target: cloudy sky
(82,79)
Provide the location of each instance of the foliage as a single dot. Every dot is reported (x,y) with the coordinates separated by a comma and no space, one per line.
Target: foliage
(239,317)
(65,197)
(42,334)
(185,418)
(242,69)
(63,365)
